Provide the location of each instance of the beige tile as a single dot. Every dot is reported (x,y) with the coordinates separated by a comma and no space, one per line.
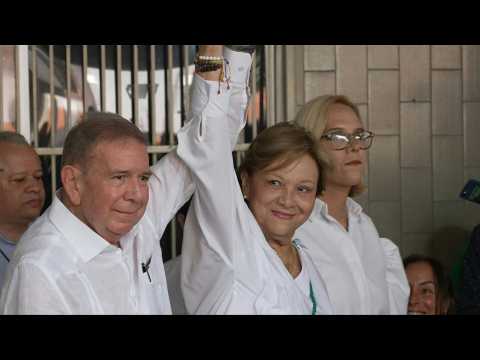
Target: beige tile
(383,102)
(447,167)
(384,169)
(415,135)
(450,235)
(471,72)
(446,57)
(319,57)
(472,134)
(447,102)
(417,211)
(386,217)
(414,73)
(363,109)
(318,84)
(352,72)
(448,214)
(417,244)
(383,57)
(417,216)
(417,185)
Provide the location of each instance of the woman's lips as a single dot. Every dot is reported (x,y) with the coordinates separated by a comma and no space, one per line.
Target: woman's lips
(354,163)
(282,215)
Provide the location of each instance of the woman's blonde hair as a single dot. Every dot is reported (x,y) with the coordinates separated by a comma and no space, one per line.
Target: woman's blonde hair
(313,117)
(285,142)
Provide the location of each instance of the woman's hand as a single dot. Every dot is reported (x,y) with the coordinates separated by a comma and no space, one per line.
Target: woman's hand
(210,50)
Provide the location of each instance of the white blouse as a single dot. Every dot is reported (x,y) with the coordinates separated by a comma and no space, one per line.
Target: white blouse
(227,265)
(363,272)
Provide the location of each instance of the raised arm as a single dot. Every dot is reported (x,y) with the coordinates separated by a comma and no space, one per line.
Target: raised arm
(205,145)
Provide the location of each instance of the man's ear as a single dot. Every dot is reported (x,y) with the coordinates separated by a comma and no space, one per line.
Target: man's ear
(72,184)
(245,187)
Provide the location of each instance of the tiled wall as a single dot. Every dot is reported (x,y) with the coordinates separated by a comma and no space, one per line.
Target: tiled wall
(423,103)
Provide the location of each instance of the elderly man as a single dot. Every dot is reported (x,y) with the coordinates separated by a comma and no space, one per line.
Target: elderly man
(22,194)
(96,249)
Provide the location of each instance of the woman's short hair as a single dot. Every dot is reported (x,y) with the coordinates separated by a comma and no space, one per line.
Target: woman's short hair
(313,117)
(97,127)
(285,142)
(445,295)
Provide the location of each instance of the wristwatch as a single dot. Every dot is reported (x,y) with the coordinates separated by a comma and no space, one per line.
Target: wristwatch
(250,49)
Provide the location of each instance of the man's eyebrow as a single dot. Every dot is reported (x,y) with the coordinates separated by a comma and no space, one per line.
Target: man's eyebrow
(427,282)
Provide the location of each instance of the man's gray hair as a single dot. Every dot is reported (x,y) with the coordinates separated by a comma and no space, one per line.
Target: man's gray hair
(12,138)
(95,128)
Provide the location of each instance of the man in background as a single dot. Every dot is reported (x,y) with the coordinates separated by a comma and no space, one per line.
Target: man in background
(22,194)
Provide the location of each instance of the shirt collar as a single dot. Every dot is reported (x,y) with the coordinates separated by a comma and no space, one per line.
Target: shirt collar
(321,208)
(354,207)
(86,242)
(6,241)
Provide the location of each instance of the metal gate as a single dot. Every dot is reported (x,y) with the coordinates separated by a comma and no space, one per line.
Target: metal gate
(46,89)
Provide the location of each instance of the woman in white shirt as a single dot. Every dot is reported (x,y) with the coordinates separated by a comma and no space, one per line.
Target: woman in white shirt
(363,272)
(239,258)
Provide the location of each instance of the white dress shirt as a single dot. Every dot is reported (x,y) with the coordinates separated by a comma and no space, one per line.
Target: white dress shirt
(227,265)
(363,272)
(61,266)
(173,273)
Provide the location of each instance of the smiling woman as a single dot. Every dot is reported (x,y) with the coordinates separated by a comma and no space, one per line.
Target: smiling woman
(240,257)
(431,290)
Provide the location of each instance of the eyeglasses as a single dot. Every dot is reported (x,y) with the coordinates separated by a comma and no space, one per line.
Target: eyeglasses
(340,141)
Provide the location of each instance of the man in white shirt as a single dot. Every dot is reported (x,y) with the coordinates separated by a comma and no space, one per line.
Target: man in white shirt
(22,194)
(96,249)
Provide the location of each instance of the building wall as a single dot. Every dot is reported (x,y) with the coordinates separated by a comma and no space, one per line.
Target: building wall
(423,103)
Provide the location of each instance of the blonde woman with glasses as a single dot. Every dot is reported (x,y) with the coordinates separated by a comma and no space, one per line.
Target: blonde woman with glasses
(363,272)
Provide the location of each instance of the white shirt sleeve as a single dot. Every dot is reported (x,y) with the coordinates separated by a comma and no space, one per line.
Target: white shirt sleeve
(205,144)
(171,185)
(398,288)
(31,292)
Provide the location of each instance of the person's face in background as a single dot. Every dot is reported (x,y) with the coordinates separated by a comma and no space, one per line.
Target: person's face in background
(22,194)
(423,289)
(347,165)
(282,199)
